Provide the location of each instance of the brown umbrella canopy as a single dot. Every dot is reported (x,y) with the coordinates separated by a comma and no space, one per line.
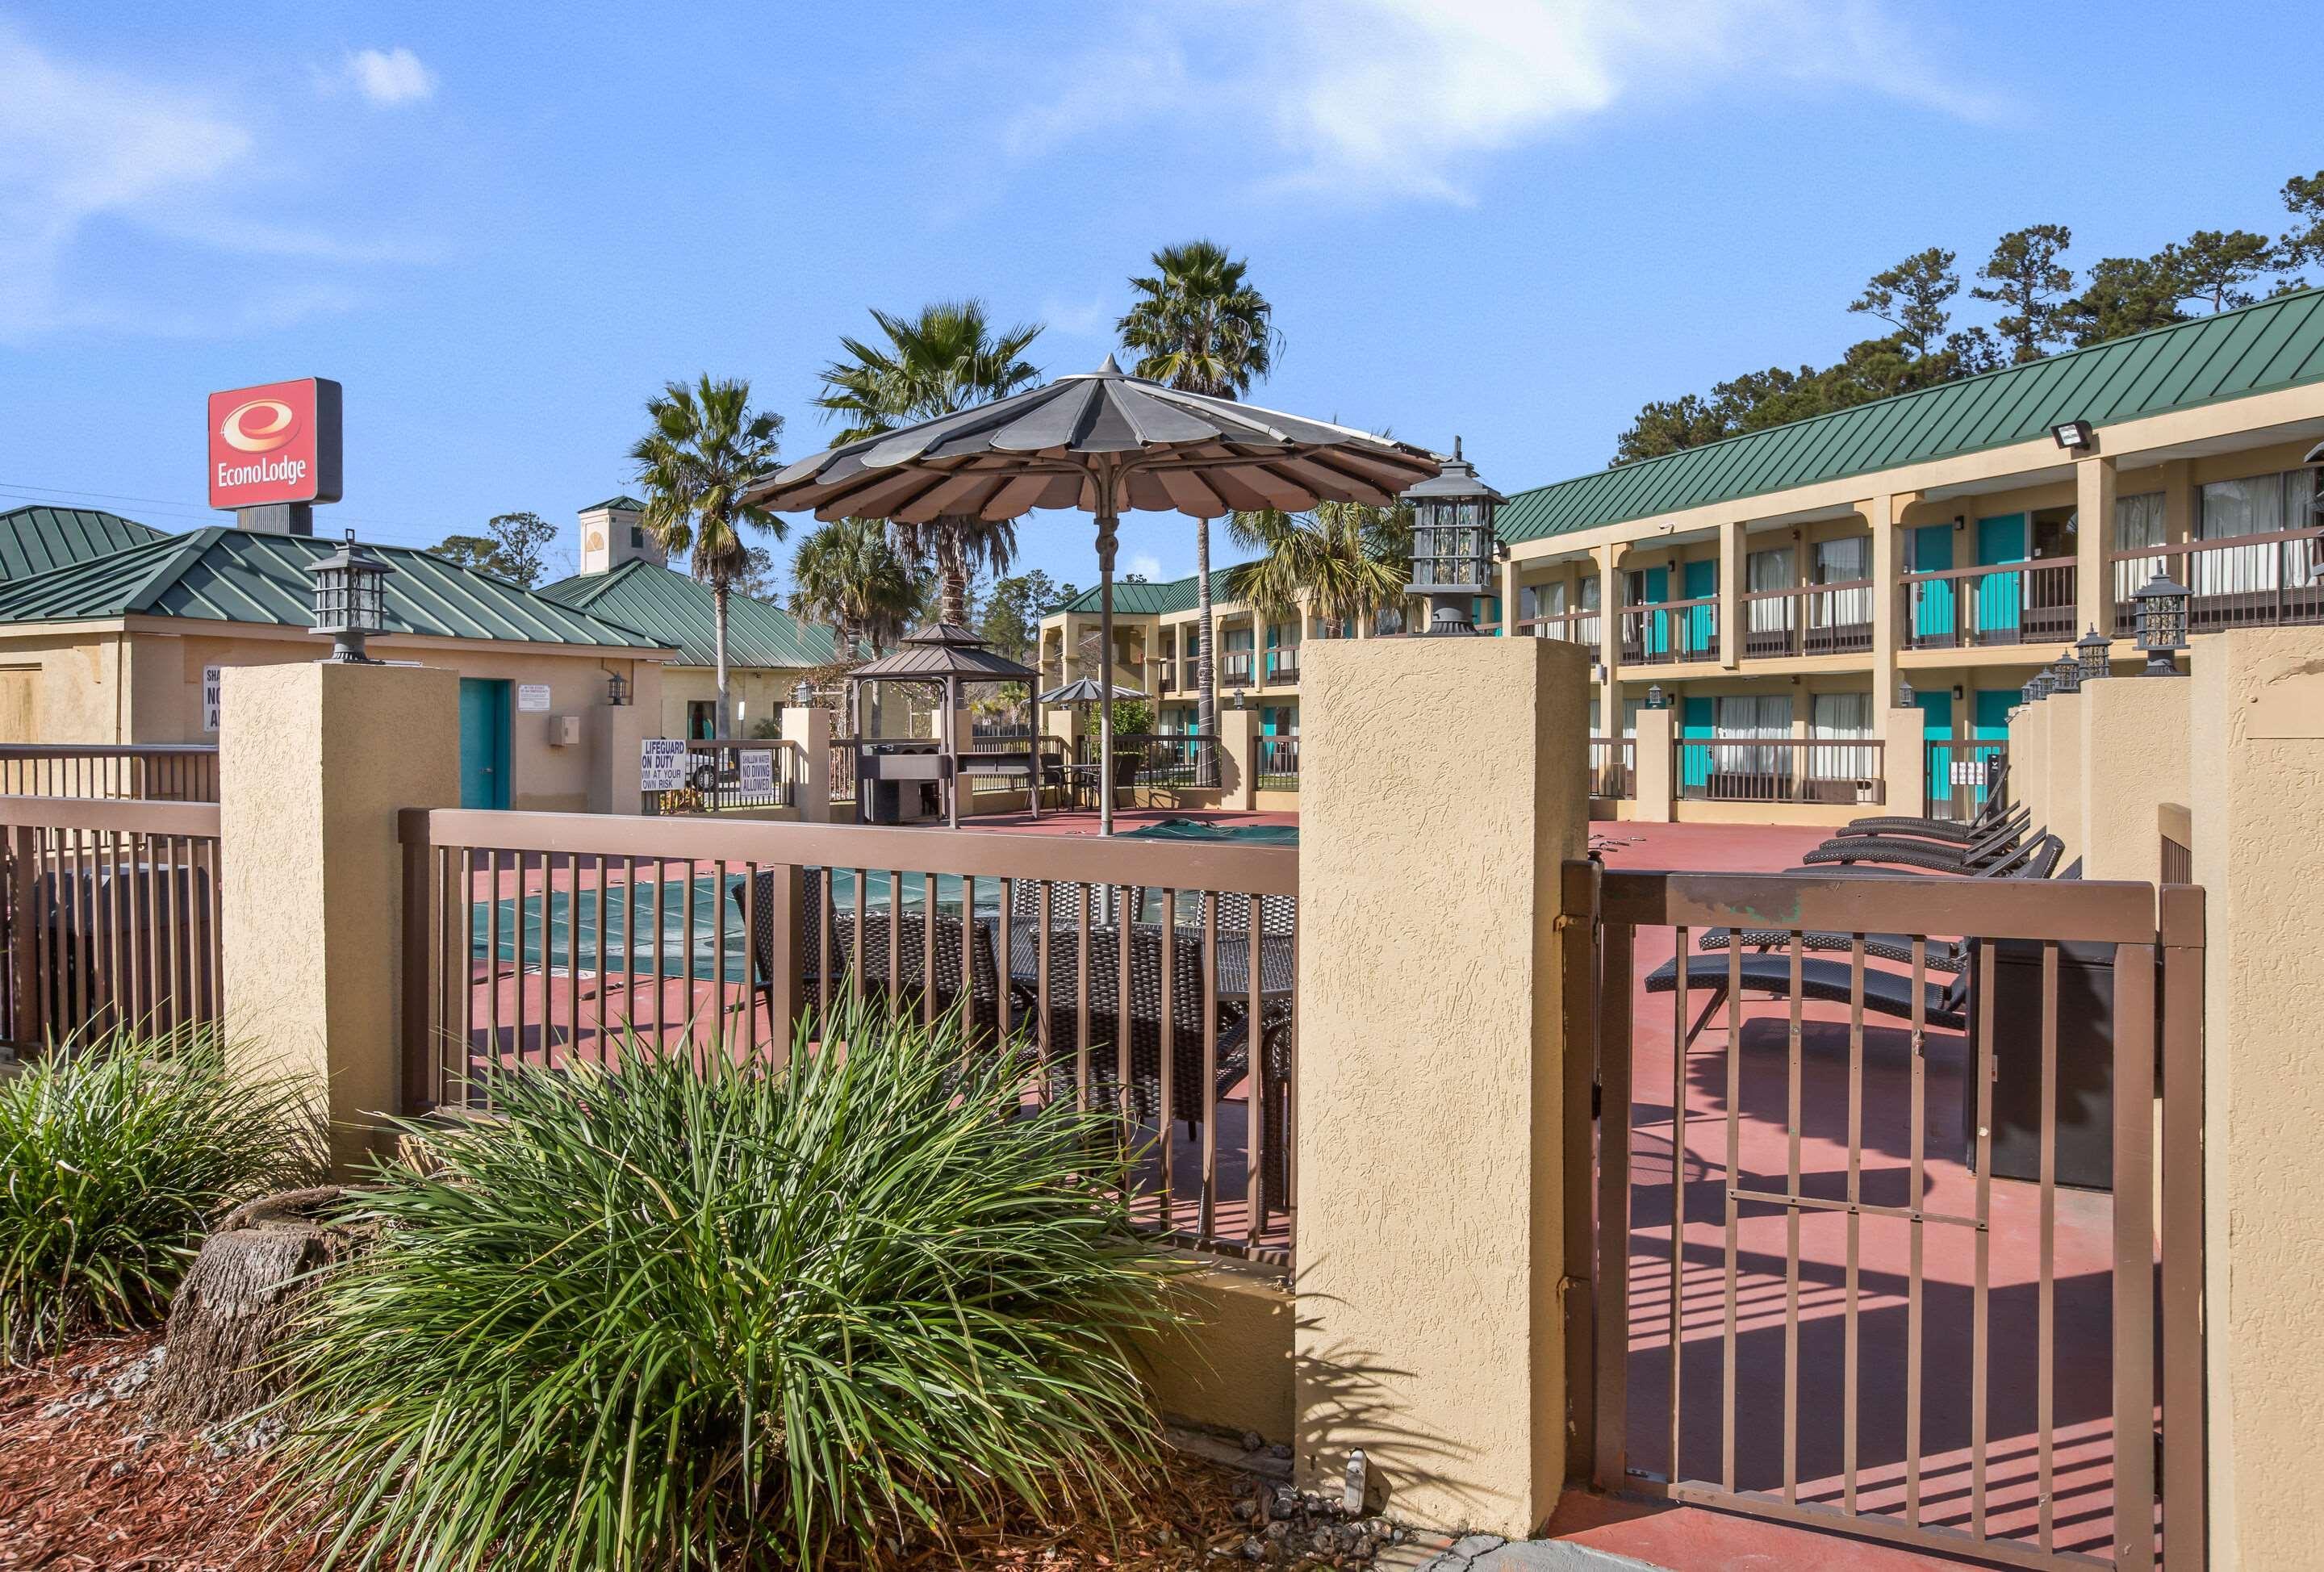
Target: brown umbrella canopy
(1105,443)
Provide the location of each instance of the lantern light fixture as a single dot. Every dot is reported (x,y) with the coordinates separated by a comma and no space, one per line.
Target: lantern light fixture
(350,600)
(803,695)
(2160,616)
(2093,653)
(617,690)
(1655,697)
(1454,547)
(2066,673)
(1903,693)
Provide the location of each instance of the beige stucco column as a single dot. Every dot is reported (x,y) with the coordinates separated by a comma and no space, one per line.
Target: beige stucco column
(1887,568)
(1239,748)
(1905,760)
(1430,1233)
(2256,740)
(2133,760)
(1606,562)
(2029,764)
(2093,538)
(2062,789)
(1657,784)
(808,730)
(312,769)
(613,732)
(1732,553)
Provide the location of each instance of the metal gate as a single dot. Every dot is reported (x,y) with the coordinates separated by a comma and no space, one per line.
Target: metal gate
(1875,1244)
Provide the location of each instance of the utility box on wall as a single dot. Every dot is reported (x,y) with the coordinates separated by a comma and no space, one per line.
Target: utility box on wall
(564,730)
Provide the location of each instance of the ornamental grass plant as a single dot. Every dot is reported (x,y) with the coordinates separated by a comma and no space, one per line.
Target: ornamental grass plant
(686,1312)
(115,1155)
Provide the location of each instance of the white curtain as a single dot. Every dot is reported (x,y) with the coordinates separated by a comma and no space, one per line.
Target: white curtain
(2262,504)
(1767,716)
(1770,570)
(1839,724)
(1846,561)
(2137,522)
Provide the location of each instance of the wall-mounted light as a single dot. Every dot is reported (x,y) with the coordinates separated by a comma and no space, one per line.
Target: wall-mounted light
(1903,693)
(1655,699)
(2071,435)
(1959,693)
(617,690)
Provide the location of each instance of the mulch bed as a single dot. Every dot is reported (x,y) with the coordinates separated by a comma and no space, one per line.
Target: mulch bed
(87,1483)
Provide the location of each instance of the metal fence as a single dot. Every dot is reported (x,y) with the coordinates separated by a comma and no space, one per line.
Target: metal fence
(2176,828)
(716,772)
(2016,603)
(1123,969)
(1614,767)
(1778,769)
(1172,760)
(110,919)
(2242,581)
(1961,775)
(153,772)
(1883,1256)
(1279,763)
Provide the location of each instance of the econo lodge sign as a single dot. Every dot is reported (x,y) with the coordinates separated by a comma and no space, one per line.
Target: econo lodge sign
(278,443)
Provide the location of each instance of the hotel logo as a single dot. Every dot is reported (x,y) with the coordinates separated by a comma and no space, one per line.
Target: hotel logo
(276,443)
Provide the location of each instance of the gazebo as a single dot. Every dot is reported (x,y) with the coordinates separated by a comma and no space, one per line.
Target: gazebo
(948,654)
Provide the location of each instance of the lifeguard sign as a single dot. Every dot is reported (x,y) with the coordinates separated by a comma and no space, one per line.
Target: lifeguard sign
(276,445)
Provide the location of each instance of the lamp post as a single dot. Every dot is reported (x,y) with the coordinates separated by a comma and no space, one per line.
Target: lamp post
(2092,652)
(2160,616)
(350,600)
(1452,543)
(803,695)
(1655,699)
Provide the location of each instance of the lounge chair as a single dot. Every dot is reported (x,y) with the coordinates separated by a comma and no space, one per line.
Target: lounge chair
(1944,1005)
(1996,808)
(1906,851)
(2029,859)
(1940,955)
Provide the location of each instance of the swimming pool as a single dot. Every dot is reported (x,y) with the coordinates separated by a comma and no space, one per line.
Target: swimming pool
(1263,835)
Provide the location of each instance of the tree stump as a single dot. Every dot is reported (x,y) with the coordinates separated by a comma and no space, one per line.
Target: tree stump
(228,1318)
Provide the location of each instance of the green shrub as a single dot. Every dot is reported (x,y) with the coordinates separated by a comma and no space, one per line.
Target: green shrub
(687,1313)
(114,1156)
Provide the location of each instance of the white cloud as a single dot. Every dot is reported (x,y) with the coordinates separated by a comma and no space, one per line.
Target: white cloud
(1402,97)
(388,78)
(1145,565)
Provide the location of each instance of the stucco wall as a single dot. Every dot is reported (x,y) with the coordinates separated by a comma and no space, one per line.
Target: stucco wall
(2134,758)
(2256,743)
(1229,1363)
(1429,1103)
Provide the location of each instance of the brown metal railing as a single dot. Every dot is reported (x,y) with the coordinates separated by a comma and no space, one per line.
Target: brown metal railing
(153,772)
(1815,619)
(2176,828)
(1841,1275)
(1124,969)
(843,769)
(1614,767)
(1961,772)
(1778,770)
(1283,664)
(2014,603)
(1279,763)
(2244,581)
(1234,669)
(1670,632)
(716,769)
(1168,759)
(110,921)
(1575,627)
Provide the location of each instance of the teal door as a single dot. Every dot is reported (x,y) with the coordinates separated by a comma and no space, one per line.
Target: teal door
(1933,611)
(1658,590)
(484,744)
(1937,724)
(1999,595)
(1700,581)
(1696,725)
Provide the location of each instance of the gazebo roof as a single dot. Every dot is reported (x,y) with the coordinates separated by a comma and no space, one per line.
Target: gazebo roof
(943,649)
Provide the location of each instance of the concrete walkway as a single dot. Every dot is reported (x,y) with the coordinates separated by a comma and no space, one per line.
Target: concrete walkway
(1487,1553)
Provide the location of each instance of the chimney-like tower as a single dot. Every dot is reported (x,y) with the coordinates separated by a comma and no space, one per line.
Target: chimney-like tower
(611,534)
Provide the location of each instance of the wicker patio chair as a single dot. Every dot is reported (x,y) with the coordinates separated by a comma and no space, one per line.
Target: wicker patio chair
(2031,859)
(911,995)
(1906,851)
(1944,1005)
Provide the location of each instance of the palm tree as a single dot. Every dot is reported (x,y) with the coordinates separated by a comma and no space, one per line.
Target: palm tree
(939,363)
(1198,325)
(706,445)
(1347,558)
(848,574)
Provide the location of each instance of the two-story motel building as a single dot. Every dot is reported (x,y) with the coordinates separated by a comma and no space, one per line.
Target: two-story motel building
(1782,590)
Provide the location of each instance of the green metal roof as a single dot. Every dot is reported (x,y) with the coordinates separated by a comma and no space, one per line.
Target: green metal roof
(33,539)
(1151,599)
(219,574)
(2275,343)
(679,611)
(630,504)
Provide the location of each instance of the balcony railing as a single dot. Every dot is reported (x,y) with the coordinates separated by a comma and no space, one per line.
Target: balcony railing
(1282,665)
(1671,633)
(2244,581)
(1778,769)
(155,771)
(1279,763)
(2014,603)
(1585,628)
(1614,767)
(1815,619)
(1234,669)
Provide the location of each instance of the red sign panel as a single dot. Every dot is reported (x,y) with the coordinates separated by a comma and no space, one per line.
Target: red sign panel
(277,443)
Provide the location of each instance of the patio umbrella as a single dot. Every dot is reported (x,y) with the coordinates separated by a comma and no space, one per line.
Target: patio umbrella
(1085,690)
(1103,442)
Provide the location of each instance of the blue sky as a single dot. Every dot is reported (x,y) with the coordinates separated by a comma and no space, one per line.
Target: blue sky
(502,226)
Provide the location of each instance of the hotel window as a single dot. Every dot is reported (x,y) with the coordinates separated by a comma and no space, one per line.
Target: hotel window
(1847,560)
(2261,505)
(1764,715)
(1840,724)
(1536,601)
(2137,522)
(1770,570)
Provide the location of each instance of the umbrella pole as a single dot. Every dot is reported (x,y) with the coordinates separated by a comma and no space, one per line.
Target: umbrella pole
(952,749)
(1106,545)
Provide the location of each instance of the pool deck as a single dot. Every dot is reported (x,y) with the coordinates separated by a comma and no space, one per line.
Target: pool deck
(1085,821)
